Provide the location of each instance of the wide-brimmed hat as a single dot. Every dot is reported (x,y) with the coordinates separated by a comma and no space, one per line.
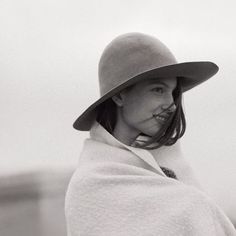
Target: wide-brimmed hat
(134,57)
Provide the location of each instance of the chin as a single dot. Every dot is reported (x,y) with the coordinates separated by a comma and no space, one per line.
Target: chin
(150,133)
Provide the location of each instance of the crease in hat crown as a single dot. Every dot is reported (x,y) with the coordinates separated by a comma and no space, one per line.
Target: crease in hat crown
(134,57)
(129,55)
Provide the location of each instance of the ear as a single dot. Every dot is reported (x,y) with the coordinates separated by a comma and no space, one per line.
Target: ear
(118,99)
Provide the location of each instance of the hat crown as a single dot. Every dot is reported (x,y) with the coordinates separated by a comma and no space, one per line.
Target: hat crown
(129,55)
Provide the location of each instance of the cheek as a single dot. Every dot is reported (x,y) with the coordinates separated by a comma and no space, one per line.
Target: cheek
(132,109)
(131,112)
(137,111)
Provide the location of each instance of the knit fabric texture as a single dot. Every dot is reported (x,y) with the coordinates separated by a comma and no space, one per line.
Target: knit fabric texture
(119,190)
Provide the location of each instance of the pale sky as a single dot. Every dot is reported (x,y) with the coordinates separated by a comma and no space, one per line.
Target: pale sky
(49,53)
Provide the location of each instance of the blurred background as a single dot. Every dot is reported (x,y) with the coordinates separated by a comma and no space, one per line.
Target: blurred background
(49,50)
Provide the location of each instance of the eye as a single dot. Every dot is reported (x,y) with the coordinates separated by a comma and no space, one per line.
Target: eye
(158,89)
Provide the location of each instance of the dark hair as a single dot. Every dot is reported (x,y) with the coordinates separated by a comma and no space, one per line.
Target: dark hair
(170,132)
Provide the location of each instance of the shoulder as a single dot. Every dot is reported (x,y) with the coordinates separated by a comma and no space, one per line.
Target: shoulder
(129,202)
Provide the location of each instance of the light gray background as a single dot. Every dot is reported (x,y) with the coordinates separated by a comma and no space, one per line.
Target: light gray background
(49,51)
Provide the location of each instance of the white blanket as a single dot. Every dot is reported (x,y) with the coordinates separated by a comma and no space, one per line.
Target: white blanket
(118,190)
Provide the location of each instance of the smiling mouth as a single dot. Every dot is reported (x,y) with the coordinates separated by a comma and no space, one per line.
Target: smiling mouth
(160,118)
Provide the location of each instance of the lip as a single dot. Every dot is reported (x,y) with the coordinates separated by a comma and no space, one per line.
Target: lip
(159,118)
(162,116)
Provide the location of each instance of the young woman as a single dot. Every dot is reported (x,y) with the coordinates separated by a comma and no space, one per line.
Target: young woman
(132,178)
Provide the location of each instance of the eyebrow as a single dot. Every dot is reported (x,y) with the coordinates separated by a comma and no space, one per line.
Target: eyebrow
(160,82)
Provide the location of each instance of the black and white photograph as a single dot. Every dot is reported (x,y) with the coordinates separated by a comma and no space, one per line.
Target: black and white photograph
(117,118)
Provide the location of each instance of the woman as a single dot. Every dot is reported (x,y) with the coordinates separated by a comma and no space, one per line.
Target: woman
(132,178)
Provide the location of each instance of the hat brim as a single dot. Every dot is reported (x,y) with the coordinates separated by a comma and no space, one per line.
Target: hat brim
(191,73)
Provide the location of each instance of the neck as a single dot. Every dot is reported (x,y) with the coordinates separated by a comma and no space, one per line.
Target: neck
(125,134)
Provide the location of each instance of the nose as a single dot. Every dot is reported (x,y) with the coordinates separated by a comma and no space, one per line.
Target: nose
(169,108)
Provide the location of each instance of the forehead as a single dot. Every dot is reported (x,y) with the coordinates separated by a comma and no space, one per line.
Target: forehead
(169,82)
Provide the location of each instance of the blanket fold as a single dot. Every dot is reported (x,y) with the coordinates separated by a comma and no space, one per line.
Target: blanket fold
(115,192)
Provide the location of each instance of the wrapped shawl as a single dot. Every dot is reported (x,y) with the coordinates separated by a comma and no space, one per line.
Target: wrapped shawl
(120,190)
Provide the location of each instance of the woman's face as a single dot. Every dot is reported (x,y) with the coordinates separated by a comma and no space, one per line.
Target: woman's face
(136,107)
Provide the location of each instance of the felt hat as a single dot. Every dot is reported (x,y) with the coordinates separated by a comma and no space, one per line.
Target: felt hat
(134,57)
